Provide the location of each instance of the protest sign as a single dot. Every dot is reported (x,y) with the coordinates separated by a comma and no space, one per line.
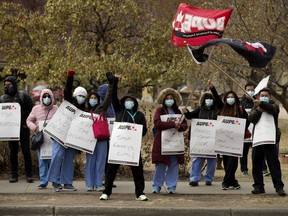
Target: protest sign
(46,147)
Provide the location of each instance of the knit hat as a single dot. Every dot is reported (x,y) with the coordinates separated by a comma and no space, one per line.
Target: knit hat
(12,80)
(80,91)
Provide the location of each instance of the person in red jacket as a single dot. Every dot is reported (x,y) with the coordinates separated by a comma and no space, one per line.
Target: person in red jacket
(169,99)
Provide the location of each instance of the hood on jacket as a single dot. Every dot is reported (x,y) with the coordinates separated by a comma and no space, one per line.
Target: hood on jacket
(204,96)
(169,91)
(122,100)
(102,90)
(12,80)
(98,100)
(47,91)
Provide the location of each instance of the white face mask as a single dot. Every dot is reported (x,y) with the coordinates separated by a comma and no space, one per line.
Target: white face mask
(208,102)
(169,102)
(129,105)
(93,102)
(264,99)
(47,101)
(80,100)
(251,93)
(230,101)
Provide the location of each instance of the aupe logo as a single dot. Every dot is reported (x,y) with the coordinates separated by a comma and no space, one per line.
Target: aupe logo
(9,107)
(207,124)
(127,127)
(231,121)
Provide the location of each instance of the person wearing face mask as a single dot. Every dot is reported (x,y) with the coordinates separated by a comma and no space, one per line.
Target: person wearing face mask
(207,109)
(270,151)
(95,163)
(61,169)
(230,106)
(166,166)
(126,110)
(45,110)
(12,94)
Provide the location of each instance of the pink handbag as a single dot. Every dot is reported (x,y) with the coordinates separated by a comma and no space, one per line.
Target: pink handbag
(100,127)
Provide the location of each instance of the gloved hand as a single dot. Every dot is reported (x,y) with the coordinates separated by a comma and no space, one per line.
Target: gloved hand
(70,73)
(110,77)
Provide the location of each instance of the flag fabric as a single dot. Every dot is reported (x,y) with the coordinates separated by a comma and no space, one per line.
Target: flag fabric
(197,26)
(258,54)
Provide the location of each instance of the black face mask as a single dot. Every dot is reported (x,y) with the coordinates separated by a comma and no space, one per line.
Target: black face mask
(10,90)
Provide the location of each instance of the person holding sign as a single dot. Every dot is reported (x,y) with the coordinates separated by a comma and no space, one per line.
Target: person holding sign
(230,106)
(126,110)
(12,94)
(206,110)
(43,111)
(169,100)
(95,163)
(265,108)
(61,170)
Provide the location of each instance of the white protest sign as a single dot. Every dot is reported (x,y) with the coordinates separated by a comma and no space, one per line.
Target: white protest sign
(264,130)
(111,124)
(80,135)
(46,147)
(125,144)
(250,128)
(230,136)
(59,124)
(172,141)
(262,84)
(202,142)
(10,121)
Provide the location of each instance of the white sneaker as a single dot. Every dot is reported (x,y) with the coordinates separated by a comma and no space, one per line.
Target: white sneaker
(142,198)
(104,197)
(89,189)
(99,189)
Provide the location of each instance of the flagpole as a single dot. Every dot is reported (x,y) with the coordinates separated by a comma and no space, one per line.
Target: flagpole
(231,79)
(202,70)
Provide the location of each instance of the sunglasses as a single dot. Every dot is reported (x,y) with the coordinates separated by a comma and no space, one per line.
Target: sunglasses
(44,96)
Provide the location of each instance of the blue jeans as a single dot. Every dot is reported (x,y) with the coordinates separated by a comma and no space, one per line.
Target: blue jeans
(95,165)
(197,164)
(170,176)
(61,170)
(44,165)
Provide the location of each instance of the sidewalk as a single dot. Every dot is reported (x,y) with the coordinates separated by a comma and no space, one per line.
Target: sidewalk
(22,198)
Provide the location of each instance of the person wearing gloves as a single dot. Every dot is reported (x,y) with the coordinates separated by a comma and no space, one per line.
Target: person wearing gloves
(45,110)
(61,169)
(12,94)
(169,99)
(95,163)
(206,110)
(126,110)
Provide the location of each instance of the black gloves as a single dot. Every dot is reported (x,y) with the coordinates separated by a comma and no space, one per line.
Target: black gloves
(110,77)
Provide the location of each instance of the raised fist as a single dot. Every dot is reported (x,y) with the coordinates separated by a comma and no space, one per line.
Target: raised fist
(110,77)
(70,73)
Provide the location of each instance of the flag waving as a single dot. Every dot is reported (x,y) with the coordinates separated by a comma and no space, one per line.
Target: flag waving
(258,54)
(197,26)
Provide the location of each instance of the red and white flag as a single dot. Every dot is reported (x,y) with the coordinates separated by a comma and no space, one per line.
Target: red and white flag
(196,26)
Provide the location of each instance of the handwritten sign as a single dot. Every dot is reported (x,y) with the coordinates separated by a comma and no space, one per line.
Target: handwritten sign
(229,136)
(10,121)
(172,141)
(202,142)
(46,147)
(80,135)
(125,143)
(59,124)
(264,130)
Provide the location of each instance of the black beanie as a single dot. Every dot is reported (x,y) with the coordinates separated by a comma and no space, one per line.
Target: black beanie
(12,79)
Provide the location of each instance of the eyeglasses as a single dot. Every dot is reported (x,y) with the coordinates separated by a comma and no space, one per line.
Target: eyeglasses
(44,96)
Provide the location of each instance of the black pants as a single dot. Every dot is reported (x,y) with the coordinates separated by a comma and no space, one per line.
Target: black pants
(271,153)
(230,167)
(138,177)
(244,158)
(25,147)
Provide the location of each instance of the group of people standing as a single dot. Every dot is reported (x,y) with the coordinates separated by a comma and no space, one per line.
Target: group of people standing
(60,169)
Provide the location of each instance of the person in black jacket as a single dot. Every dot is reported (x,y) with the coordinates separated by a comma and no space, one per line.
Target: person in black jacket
(61,169)
(12,94)
(207,109)
(126,110)
(266,104)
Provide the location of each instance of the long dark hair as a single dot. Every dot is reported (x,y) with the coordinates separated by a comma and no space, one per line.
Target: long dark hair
(228,110)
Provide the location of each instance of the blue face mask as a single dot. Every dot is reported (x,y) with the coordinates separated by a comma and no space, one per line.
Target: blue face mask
(264,99)
(47,101)
(169,102)
(129,105)
(208,102)
(230,101)
(251,93)
(93,102)
(80,100)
